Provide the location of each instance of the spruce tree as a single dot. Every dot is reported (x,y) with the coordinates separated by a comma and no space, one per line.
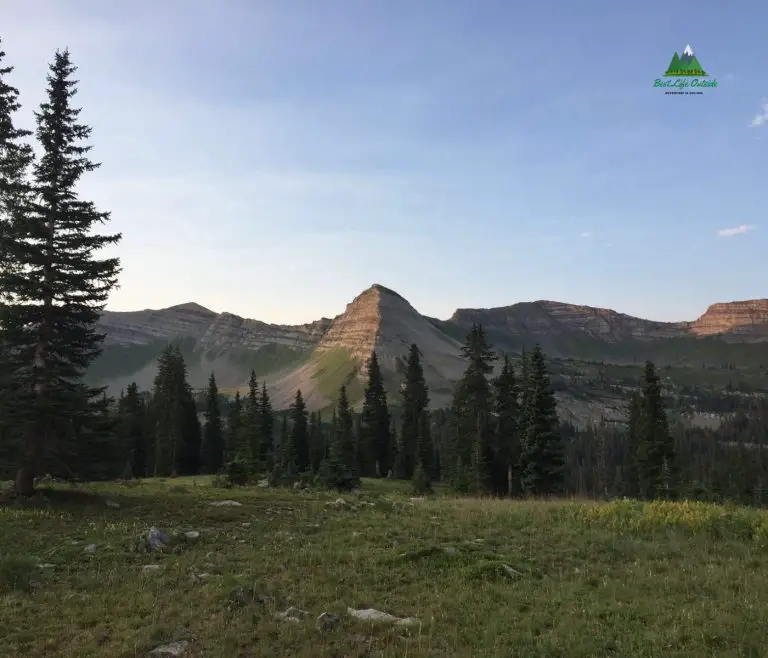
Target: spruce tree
(317,446)
(213,432)
(252,423)
(375,423)
(506,441)
(339,469)
(470,440)
(300,433)
(423,473)
(234,428)
(415,396)
(267,427)
(133,427)
(542,460)
(655,460)
(191,434)
(284,470)
(634,423)
(54,287)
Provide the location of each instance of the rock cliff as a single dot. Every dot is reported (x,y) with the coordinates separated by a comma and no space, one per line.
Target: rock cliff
(747,320)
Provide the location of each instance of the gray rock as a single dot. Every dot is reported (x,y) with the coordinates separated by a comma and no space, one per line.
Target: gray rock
(225,503)
(91,548)
(450,550)
(327,621)
(172,650)
(46,565)
(511,571)
(150,568)
(113,504)
(191,536)
(371,614)
(156,539)
(292,614)
(264,484)
(408,621)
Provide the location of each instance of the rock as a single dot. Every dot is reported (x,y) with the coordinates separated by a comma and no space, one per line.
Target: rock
(511,571)
(327,621)
(113,504)
(264,484)
(150,568)
(225,503)
(417,499)
(156,539)
(172,650)
(91,548)
(339,502)
(371,614)
(246,525)
(450,550)
(292,614)
(46,565)
(199,577)
(192,536)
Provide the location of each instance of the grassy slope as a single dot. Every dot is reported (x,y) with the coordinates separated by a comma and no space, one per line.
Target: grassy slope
(619,579)
(336,368)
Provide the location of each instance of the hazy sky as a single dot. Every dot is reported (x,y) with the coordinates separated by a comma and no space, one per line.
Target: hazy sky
(273,159)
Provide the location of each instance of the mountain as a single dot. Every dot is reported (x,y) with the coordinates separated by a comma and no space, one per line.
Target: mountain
(320,356)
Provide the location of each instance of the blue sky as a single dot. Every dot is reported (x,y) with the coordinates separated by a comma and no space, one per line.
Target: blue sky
(273,159)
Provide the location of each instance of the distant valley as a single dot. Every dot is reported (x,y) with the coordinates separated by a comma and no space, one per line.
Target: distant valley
(594,351)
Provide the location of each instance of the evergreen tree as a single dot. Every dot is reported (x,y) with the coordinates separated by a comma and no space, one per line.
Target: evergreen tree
(191,435)
(213,432)
(234,428)
(415,400)
(506,443)
(375,424)
(423,473)
(284,471)
(300,433)
(317,447)
(339,470)
(54,287)
(542,462)
(470,441)
(655,457)
(133,426)
(267,427)
(252,442)
(634,422)
(175,429)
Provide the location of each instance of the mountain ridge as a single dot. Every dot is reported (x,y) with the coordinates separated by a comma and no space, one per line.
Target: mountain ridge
(318,357)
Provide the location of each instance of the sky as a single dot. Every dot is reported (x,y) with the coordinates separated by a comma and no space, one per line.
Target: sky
(275,158)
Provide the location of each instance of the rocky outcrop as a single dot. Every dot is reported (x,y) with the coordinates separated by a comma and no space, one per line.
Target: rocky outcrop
(147,326)
(545,318)
(747,320)
(229,331)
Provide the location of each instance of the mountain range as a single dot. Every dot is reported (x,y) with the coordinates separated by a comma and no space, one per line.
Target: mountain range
(320,356)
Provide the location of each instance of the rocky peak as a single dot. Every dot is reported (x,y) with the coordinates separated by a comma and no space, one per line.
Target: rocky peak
(747,319)
(358,328)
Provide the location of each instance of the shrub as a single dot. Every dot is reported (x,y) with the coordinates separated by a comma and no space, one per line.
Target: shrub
(237,472)
(333,475)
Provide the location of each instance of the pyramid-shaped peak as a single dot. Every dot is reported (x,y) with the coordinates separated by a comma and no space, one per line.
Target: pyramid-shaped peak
(377,287)
(192,307)
(688,50)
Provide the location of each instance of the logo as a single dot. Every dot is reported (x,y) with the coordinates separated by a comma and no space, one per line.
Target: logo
(685,75)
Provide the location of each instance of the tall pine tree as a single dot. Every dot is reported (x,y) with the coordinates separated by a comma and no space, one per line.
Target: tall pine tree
(506,440)
(54,287)
(469,456)
(267,428)
(374,423)
(300,433)
(15,197)
(212,457)
(542,459)
(252,443)
(655,452)
(415,395)
(133,429)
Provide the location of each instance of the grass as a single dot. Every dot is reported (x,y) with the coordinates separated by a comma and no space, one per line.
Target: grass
(588,579)
(336,368)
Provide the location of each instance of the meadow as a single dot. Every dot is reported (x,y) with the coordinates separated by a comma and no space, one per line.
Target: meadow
(482,577)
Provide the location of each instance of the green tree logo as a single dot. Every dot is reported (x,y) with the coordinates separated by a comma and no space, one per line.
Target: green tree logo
(687,65)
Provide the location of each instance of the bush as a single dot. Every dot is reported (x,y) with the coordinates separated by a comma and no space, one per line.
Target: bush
(237,472)
(333,475)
